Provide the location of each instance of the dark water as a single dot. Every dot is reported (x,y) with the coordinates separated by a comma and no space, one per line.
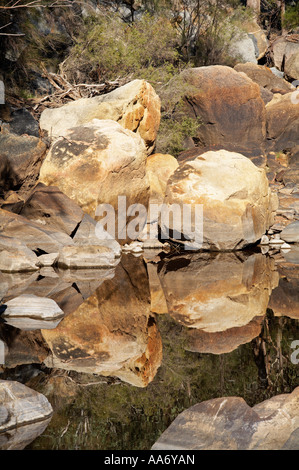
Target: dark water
(156,335)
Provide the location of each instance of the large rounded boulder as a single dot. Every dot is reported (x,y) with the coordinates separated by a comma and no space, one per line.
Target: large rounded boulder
(95,163)
(234,196)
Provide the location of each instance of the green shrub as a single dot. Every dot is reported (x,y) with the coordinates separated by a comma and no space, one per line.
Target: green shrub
(291,19)
(108,48)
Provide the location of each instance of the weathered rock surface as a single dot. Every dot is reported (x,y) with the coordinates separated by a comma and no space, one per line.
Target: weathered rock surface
(283,121)
(20,160)
(102,151)
(264,77)
(20,405)
(238,206)
(83,257)
(217,293)
(33,234)
(230,108)
(135,106)
(282,50)
(291,232)
(230,424)
(222,342)
(159,168)
(52,209)
(28,312)
(291,66)
(107,336)
(16,256)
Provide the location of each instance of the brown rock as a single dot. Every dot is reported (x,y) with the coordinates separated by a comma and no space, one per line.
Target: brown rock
(217,293)
(263,76)
(20,160)
(283,121)
(230,107)
(48,206)
(223,342)
(108,335)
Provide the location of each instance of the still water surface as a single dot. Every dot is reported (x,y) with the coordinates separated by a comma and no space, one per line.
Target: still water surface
(142,342)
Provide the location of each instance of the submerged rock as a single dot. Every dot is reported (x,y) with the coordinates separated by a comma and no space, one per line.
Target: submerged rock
(230,424)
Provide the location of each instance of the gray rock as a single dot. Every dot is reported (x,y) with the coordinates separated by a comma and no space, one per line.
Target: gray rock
(20,405)
(15,256)
(78,257)
(32,306)
(290,233)
(230,424)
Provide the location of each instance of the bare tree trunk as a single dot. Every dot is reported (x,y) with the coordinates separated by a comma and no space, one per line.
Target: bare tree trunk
(255,5)
(282,6)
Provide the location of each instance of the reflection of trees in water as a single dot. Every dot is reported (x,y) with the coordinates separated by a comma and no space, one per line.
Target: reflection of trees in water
(271,350)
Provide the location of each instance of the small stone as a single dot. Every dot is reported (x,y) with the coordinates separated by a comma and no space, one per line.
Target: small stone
(47,260)
(264,240)
(21,405)
(285,246)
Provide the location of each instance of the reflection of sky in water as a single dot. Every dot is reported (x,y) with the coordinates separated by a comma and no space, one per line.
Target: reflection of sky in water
(123,373)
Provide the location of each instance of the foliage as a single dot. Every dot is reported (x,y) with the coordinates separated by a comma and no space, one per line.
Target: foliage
(107,48)
(291,19)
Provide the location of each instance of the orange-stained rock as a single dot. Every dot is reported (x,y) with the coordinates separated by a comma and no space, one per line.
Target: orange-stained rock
(95,164)
(264,77)
(112,333)
(223,341)
(159,168)
(158,302)
(234,196)
(229,106)
(215,293)
(135,106)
